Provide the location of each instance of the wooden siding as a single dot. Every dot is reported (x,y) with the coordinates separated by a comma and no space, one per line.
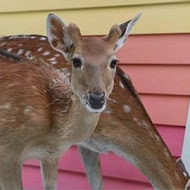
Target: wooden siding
(76,181)
(160,16)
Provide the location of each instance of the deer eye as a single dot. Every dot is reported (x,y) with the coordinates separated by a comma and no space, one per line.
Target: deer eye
(76,63)
(113,63)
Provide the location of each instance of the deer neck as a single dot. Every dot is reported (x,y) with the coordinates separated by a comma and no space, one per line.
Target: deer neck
(82,122)
(73,121)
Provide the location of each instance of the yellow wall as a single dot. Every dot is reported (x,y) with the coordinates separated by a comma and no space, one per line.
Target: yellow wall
(95,16)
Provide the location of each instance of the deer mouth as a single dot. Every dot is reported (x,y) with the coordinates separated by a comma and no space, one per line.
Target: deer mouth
(95,109)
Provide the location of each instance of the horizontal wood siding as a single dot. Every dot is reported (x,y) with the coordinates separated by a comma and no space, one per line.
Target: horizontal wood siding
(160,79)
(76,181)
(156,49)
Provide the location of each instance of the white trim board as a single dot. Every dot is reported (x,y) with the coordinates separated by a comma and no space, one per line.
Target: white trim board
(186,143)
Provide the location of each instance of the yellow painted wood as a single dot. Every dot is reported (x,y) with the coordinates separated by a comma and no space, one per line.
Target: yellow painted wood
(159,16)
(36,5)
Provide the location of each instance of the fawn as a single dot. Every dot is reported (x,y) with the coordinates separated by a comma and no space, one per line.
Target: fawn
(41,113)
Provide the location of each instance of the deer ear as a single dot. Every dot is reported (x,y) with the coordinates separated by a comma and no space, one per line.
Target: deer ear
(58,35)
(125,31)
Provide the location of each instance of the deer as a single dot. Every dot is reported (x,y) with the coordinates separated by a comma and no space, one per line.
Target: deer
(42,114)
(124,127)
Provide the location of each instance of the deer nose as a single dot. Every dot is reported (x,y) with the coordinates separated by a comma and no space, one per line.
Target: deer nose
(96,100)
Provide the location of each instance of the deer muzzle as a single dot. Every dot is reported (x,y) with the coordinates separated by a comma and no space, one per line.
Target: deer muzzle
(96,102)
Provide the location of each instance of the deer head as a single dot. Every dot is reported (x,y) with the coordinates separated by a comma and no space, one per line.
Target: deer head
(93,59)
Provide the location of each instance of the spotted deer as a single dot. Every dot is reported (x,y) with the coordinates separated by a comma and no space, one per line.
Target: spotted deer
(41,113)
(124,126)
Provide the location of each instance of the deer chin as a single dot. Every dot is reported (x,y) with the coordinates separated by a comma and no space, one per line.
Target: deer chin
(93,110)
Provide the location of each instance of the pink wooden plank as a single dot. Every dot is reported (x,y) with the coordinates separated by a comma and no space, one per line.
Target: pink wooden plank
(114,166)
(156,49)
(76,181)
(31,178)
(160,79)
(166,110)
(173,137)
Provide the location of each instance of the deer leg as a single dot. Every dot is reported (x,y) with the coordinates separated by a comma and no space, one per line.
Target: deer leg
(92,166)
(11,177)
(49,174)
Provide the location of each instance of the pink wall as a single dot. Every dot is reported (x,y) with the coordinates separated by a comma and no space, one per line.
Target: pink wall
(159,66)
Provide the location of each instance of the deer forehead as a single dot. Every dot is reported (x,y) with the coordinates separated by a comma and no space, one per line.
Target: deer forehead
(93,50)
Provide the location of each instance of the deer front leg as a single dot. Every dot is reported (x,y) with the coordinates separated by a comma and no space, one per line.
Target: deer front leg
(10,177)
(92,166)
(49,173)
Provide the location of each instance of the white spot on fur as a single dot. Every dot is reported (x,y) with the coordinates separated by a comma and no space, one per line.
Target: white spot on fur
(20,45)
(28,53)
(5,106)
(53,62)
(140,123)
(27,110)
(9,50)
(13,37)
(10,85)
(57,55)
(157,137)
(64,110)
(42,38)
(111,100)
(65,75)
(46,53)
(20,51)
(107,111)
(126,108)
(55,81)
(121,84)
(40,49)
(33,37)
(34,87)
(166,153)
(144,124)
(126,76)
(52,59)
(3,44)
